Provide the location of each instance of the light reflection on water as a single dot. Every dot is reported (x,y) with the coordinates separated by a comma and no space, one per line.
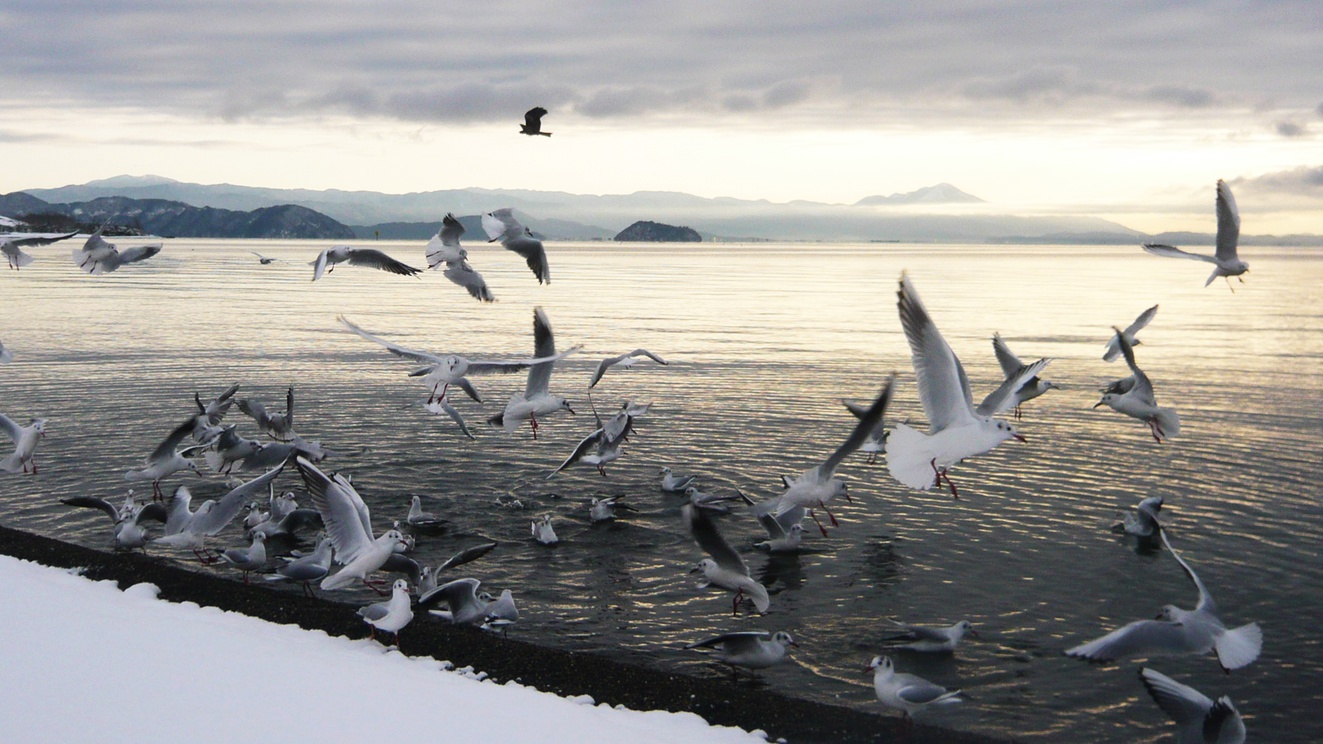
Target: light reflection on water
(764,340)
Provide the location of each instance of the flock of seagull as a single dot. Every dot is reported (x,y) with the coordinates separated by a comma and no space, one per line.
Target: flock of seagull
(352,551)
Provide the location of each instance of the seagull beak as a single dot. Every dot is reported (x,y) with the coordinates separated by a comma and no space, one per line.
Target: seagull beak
(1095,405)
(694,570)
(1019,437)
(973,632)
(571,410)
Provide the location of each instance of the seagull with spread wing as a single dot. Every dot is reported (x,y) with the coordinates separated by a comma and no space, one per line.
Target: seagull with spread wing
(501,225)
(1225,261)
(444,248)
(369,257)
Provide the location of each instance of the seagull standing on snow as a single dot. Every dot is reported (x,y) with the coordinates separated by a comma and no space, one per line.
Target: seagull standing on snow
(956,429)
(370,257)
(536,400)
(1178,631)
(1227,263)
(1113,350)
(906,692)
(99,257)
(25,444)
(1198,719)
(533,122)
(501,225)
(444,248)
(12,248)
(725,568)
(1134,397)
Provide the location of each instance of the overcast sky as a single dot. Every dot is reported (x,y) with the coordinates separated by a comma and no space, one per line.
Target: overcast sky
(1129,109)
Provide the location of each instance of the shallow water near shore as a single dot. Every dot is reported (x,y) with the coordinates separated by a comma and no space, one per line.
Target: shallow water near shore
(763,342)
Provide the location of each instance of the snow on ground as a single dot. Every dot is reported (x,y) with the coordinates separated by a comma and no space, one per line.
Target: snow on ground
(83,661)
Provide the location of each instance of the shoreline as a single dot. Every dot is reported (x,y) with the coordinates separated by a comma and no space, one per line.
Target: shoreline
(567,673)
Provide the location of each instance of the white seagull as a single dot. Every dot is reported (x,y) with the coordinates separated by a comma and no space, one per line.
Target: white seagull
(12,247)
(99,257)
(308,568)
(784,532)
(443,371)
(189,529)
(129,531)
(751,649)
(1113,350)
(876,442)
(279,426)
(1011,365)
(1143,523)
(501,225)
(725,568)
(424,521)
(392,616)
(348,525)
(211,413)
(1226,263)
(605,443)
(466,605)
(444,248)
(906,692)
(25,444)
(253,558)
(543,531)
(536,400)
(264,260)
(1198,719)
(624,361)
(816,486)
(1178,631)
(167,458)
(956,429)
(1134,397)
(672,483)
(926,639)
(370,257)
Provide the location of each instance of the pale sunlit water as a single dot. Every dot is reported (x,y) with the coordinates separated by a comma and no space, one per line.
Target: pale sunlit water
(764,341)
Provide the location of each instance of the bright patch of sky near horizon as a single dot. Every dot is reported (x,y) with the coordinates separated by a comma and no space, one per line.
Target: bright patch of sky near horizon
(1129,113)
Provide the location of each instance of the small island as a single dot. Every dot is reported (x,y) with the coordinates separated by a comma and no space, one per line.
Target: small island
(655,232)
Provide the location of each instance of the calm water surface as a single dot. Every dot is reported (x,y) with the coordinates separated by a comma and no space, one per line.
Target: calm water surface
(764,341)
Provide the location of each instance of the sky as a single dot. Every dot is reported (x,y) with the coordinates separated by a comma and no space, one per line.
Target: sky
(1129,110)
(226,677)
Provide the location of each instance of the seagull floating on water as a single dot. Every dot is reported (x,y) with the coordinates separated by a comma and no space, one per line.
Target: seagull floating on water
(956,429)
(1113,350)
(906,692)
(369,257)
(925,639)
(1227,263)
(543,531)
(1134,397)
(1178,631)
(501,225)
(25,444)
(1143,522)
(1198,719)
(423,521)
(672,483)
(751,649)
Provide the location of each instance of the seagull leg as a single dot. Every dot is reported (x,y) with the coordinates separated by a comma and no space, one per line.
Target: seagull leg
(830,516)
(819,524)
(532,419)
(376,587)
(601,470)
(735,604)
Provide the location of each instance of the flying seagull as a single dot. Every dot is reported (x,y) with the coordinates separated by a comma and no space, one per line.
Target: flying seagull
(12,248)
(99,257)
(1227,264)
(444,248)
(500,224)
(370,257)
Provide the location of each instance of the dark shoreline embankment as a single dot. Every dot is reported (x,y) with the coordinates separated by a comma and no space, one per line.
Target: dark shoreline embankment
(719,701)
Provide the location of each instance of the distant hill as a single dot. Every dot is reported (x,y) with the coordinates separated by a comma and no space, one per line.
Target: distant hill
(942,193)
(644,231)
(177,219)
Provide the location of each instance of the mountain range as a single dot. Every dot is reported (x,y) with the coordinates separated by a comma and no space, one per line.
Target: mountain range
(916,216)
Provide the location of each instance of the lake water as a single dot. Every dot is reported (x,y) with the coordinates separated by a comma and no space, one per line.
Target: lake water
(764,341)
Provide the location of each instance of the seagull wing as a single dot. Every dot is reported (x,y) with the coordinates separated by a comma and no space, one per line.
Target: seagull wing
(166,448)
(1228,223)
(465,556)
(93,502)
(588,442)
(1140,638)
(1171,251)
(229,506)
(319,265)
(11,429)
(500,224)
(1143,320)
(704,532)
(397,350)
(139,253)
(376,259)
(1206,603)
(1003,398)
(336,501)
(1182,703)
(1010,363)
(867,423)
(255,410)
(921,691)
(544,345)
(533,118)
(943,386)
(39,240)
(534,253)
(735,642)
(1143,387)
(456,594)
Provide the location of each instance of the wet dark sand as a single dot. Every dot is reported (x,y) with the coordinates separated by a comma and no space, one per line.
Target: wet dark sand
(719,701)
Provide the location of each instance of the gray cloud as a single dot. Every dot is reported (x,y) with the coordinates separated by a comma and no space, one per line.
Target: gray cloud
(1305,181)
(1290,129)
(452,61)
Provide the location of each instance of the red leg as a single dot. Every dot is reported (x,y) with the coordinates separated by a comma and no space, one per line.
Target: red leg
(819,524)
(830,516)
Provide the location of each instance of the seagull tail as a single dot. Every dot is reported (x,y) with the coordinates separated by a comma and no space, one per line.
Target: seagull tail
(908,459)
(497,420)
(22,259)
(1169,422)
(11,464)
(1237,648)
